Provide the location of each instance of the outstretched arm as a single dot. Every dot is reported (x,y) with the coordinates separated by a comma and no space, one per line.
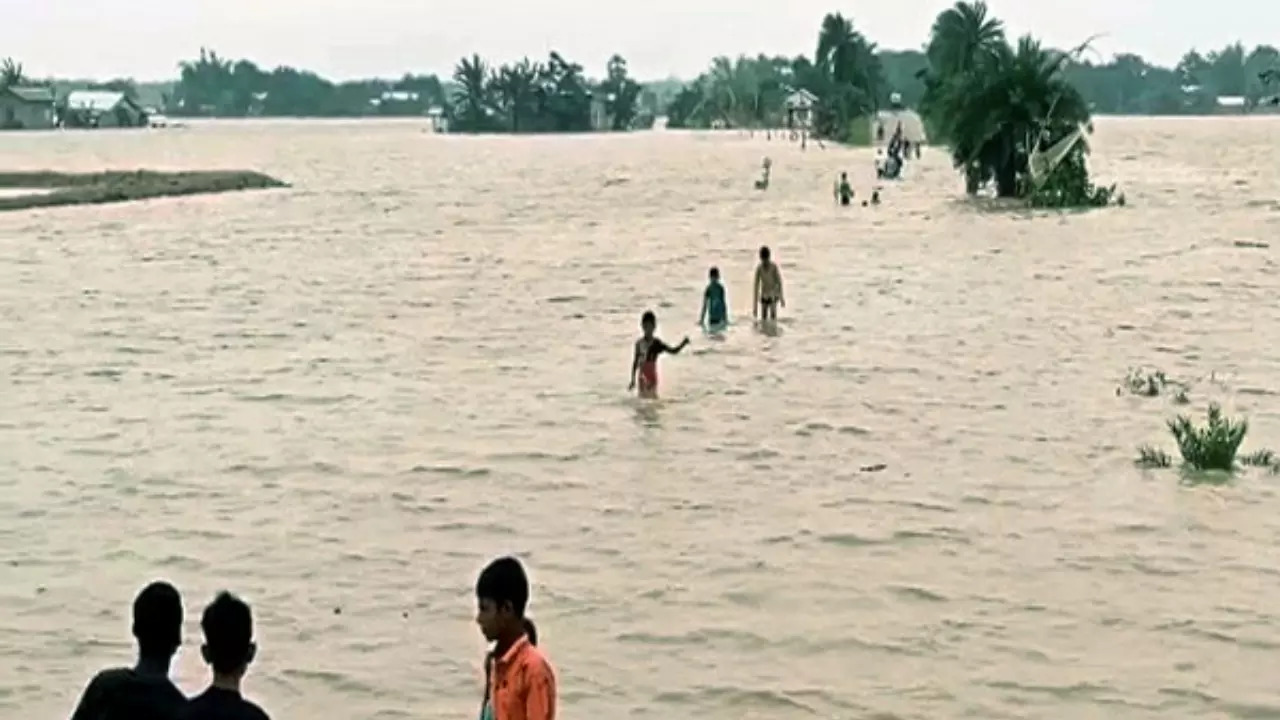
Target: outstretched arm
(663,347)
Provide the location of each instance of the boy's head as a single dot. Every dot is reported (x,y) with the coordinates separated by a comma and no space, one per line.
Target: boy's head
(157,620)
(228,635)
(714,274)
(502,592)
(648,322)
(764,253)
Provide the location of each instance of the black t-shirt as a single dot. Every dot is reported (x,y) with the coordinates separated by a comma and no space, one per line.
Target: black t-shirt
(125,694)
(219,704)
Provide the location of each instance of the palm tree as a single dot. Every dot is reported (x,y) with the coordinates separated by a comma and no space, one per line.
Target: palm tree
(513,88)
(1012,100)
(849,58)
(472,97)
(11,74)
(961,37)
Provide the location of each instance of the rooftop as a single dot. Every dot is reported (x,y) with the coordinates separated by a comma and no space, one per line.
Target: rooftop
(94,100)
(31,94)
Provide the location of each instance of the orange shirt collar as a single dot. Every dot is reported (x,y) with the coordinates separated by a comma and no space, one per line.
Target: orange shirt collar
(516,648)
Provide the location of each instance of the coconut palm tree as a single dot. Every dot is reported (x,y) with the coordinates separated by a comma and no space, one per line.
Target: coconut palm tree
(1011,100)
(513,89)
(961,37)
(472,99)
(849,59)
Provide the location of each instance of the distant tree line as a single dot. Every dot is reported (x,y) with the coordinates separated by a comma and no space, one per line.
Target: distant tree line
(551,96)
(750,91)
(847,70)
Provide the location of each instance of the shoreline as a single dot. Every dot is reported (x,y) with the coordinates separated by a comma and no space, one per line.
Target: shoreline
(28,190)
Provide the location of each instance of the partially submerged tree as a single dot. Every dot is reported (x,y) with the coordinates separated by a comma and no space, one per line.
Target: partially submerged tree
(1008,112)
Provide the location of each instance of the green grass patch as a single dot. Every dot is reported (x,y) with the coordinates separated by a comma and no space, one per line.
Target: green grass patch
(123,186)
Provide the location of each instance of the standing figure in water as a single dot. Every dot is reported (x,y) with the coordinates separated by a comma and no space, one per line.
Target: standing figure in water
(644,365)
(715,311)
(763,182)
(844,191)
(767,295)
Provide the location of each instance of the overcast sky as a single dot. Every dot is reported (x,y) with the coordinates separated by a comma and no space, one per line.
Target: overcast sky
(145,39)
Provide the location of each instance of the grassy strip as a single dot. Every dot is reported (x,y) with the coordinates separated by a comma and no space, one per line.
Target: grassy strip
(123,186)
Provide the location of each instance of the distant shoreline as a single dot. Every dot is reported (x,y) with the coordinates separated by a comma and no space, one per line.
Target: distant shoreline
(42,188)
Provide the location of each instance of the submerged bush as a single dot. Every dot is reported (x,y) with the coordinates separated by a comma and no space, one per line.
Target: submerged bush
(1211,446)
(1154,383)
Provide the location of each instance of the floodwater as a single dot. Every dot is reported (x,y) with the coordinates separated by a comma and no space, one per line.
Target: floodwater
(913,499)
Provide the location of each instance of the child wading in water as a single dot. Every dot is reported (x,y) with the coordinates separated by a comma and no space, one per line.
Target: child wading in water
(768,288)
(645,362)
(520,683)
(715,311)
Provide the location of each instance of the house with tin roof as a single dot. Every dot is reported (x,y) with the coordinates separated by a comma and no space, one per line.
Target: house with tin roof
(102,109)
(26,108)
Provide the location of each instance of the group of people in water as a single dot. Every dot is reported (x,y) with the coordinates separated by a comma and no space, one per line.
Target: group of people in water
(520,682)
(767,297)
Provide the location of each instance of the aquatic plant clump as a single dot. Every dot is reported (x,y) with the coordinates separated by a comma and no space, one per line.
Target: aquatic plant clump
(123,186)
(1154,383)
(1211,446)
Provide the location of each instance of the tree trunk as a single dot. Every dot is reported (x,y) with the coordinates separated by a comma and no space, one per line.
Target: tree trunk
(1007,180)
(972,180)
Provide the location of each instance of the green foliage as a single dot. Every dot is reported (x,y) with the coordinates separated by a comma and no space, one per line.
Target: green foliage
(994,103)
(532,97)
(11,73)
(847,75)
(1212,446)
(1153,458)
(214,86)
(1069,186)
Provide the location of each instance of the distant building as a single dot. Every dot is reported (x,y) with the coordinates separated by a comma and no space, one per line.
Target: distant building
(1232,105)
(26,108)
(102,109)
(397,102)
(799,105)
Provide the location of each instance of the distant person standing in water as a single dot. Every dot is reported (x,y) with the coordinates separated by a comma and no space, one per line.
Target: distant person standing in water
(767,295)
(520,683)
(649,348)
(715,311)
(143,692)
(844,191)
(229,649)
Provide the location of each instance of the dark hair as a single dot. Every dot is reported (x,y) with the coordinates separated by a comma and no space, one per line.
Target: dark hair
(715,272)
(647,317)
(503,582)
(157,619)
(228,633)
(764,252)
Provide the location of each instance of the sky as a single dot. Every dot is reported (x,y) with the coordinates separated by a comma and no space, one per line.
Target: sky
(344,39)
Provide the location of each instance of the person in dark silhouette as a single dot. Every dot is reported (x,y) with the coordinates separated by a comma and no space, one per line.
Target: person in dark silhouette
(144,691)
(229,649)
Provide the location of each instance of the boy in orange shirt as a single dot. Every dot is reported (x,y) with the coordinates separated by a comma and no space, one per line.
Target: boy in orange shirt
(520,683)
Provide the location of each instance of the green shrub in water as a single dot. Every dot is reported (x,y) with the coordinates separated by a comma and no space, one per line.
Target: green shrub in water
(1212,446)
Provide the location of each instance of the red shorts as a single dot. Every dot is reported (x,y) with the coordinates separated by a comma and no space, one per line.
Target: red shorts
(648,377)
